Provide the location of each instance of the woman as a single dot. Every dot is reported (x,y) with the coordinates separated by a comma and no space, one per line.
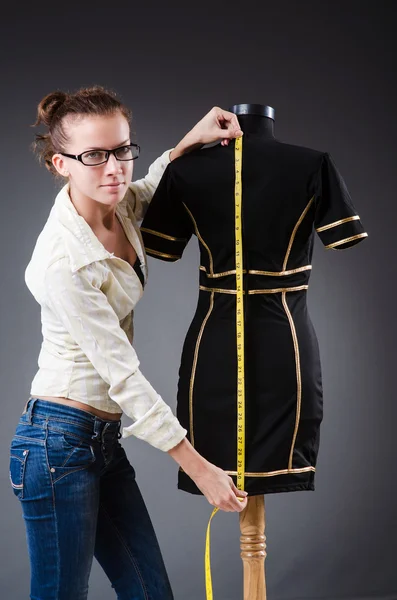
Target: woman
(76,486)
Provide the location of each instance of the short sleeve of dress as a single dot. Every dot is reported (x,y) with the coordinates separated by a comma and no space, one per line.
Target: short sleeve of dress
(336,220)
(166,228)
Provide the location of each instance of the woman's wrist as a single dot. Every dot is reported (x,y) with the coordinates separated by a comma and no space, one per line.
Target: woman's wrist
(187,144)
(188,458)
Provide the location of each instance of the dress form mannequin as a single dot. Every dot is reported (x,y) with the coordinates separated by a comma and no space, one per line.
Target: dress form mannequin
(258,120)
(290,193)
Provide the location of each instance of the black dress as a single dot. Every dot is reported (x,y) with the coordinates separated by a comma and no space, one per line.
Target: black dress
(288,193)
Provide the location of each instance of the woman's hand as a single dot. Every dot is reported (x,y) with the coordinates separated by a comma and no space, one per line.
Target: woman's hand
(219,489)
(215,484)
(218,124)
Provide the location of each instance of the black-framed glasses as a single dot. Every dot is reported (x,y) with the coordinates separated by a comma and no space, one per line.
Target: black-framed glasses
(92,158)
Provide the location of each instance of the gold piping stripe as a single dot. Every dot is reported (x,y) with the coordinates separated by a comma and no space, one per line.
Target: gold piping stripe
(220,290)
(349,239)
(193,373)
(252,272)
(298,378)
(200,238)
(297,288)
(270,291)
(270,473)
(282,273)
(274,473)
(223,274)
(336,223)
(163,235)
(294,233)
(156,253)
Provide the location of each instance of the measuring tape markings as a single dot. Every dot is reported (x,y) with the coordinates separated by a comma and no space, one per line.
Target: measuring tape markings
(238,152)
(239,318)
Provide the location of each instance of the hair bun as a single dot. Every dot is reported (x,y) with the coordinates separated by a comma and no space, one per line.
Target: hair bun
(57,106)
(48,106)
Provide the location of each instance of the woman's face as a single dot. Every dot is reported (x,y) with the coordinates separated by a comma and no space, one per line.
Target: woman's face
(106,183)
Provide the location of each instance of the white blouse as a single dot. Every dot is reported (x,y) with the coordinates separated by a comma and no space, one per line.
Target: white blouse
(87,296)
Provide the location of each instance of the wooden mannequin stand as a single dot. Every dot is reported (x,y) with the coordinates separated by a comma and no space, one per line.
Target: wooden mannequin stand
(253,548)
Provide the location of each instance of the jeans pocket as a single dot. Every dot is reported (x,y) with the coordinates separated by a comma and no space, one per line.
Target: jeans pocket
(18,457)
(67,452)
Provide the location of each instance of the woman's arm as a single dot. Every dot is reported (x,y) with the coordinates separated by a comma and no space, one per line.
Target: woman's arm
(85,312)
(216,125)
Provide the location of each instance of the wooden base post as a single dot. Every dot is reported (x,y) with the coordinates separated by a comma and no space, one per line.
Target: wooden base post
(253,548)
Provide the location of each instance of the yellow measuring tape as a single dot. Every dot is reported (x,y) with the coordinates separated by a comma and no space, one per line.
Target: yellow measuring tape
(238,163)
(239,317)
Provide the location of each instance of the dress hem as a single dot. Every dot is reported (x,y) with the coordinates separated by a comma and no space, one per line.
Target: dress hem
(255,487)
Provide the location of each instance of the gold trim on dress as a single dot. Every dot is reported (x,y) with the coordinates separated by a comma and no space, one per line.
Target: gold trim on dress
(336,223)
(294,233)
(297,288)
(253,272)
(163,235)
(273,473)
(157,253)
(200,238)
(219,290)
(223,274)
(281,273)
(298,378)
(349,239)
(193,373)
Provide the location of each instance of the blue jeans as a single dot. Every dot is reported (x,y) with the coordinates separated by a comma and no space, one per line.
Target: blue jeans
(80,499)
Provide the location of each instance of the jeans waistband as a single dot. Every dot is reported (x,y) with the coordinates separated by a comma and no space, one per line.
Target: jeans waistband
(36,409)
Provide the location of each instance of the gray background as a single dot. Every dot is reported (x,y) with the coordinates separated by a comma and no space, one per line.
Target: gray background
(328,70)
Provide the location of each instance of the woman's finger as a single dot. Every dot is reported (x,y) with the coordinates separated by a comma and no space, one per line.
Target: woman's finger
(236,504)
(239,493)
(228,121)
(231,130)
(234,123)
(231,133)
(225,117)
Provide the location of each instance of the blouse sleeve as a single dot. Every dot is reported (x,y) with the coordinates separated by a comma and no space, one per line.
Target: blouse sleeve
(336,220)
(166,228)
(84,311)
(141,191)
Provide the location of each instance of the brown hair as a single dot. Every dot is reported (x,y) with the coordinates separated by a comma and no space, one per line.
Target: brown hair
(53,109)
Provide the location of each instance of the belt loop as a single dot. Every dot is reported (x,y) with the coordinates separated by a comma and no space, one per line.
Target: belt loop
(29,409)
(97,429)
(118,430)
